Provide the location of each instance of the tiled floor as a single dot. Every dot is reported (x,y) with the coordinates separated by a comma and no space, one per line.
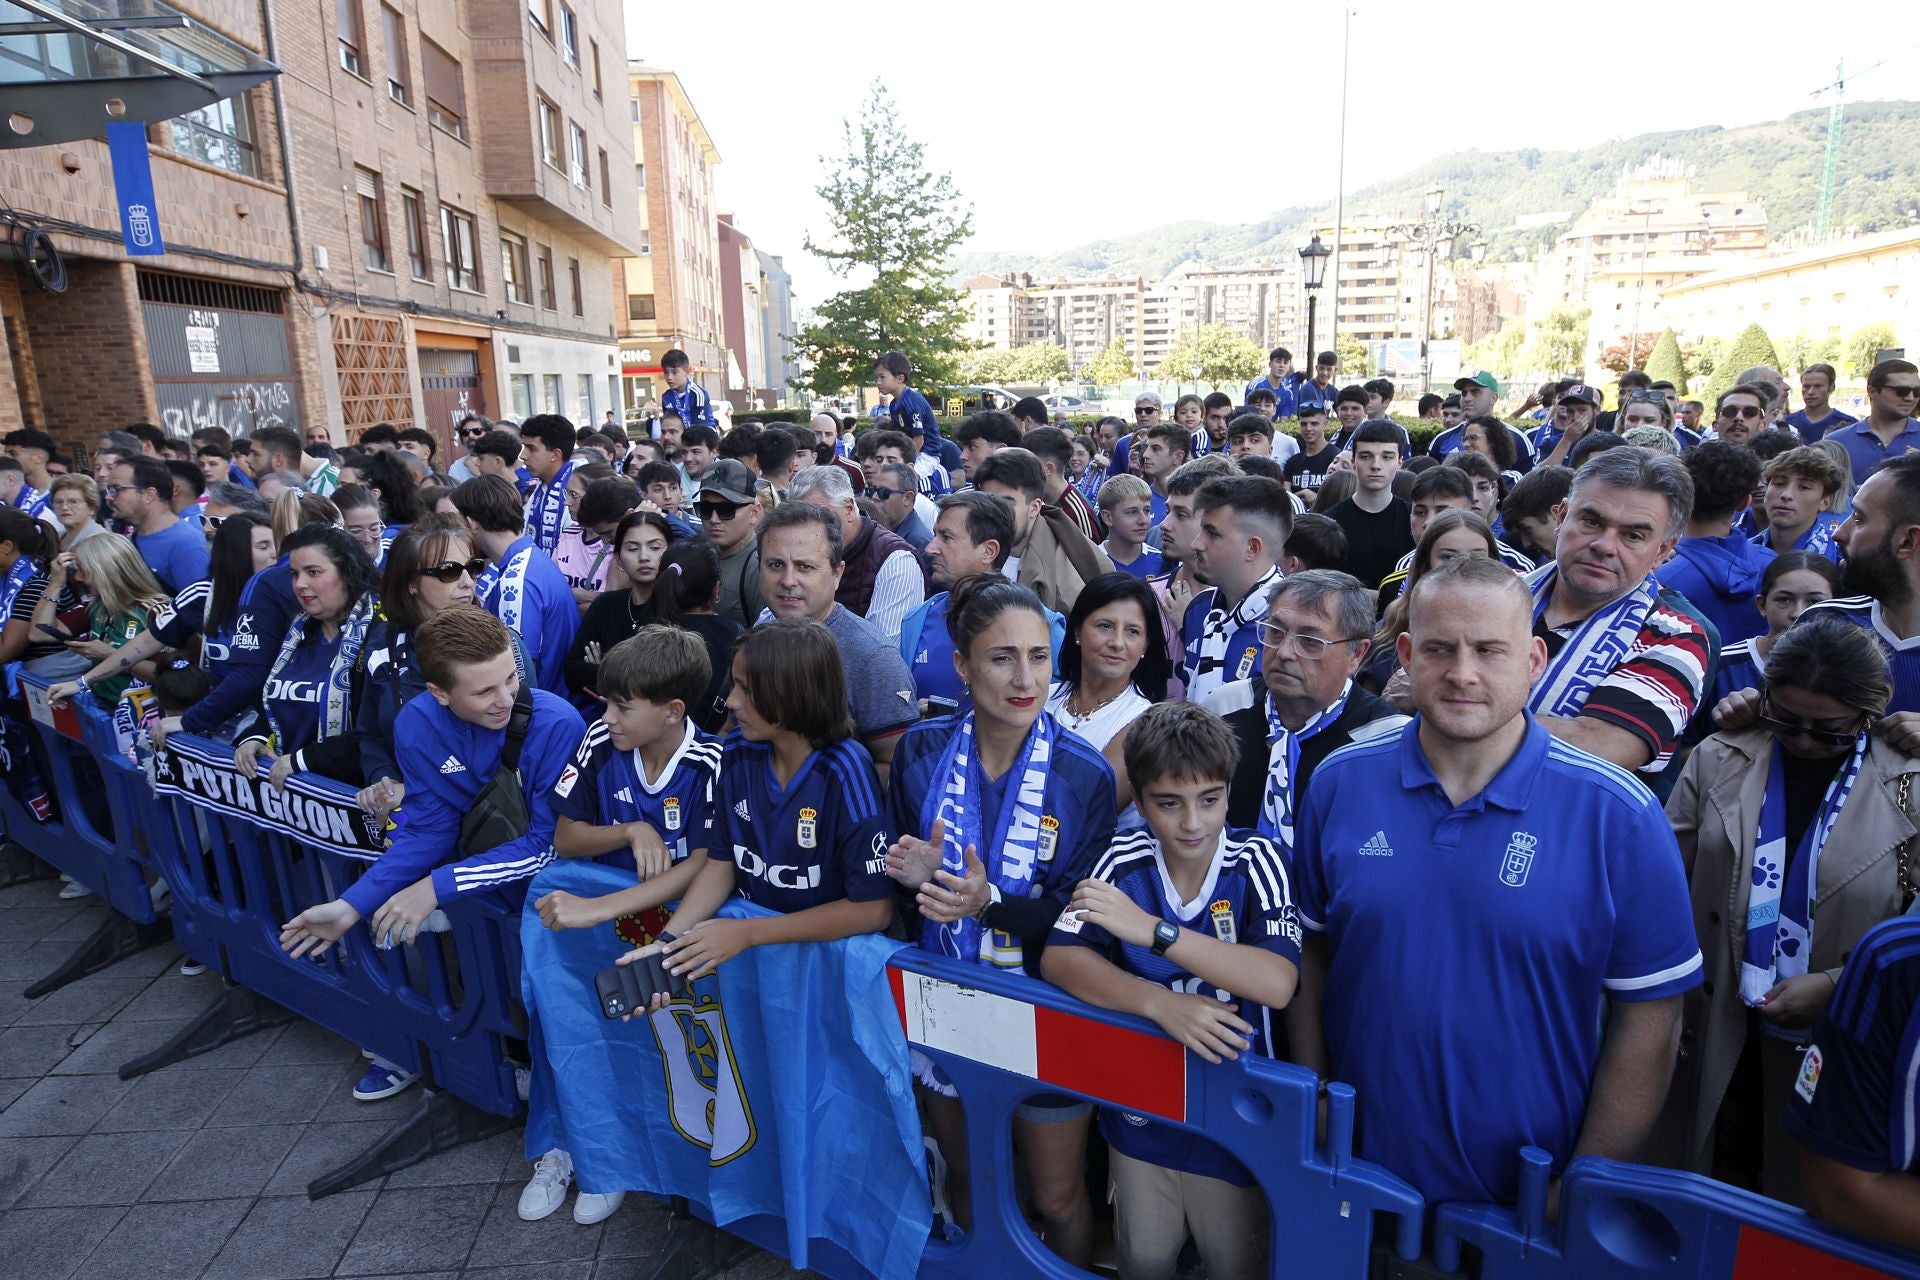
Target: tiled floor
(200,1168)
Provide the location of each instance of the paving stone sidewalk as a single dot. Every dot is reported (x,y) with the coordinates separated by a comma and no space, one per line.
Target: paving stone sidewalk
(200,1168)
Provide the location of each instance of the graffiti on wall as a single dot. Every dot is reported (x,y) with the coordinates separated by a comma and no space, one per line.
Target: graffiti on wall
(238,407)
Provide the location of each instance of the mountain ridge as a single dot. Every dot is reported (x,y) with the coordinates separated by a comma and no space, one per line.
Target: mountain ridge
(1779,161)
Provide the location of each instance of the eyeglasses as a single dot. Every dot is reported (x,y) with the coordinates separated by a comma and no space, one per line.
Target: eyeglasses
(717,510)
(879,494)
(110,491)
(449,571)
(1741,411)
(1795,729)
(1646,397)
(1312,648)
(214,522)
(1144,411)
(1905,393)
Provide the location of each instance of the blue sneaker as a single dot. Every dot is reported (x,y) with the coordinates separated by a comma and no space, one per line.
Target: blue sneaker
(383,1081)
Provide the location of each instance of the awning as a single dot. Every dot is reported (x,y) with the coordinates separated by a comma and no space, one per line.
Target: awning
(67,67)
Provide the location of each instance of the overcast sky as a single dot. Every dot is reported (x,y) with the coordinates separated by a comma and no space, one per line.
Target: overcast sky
(1061,124)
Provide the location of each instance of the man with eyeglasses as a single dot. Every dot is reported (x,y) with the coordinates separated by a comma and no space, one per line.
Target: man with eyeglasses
(142,495)
(1890,429)
(1304,705)
(879,447)
(729,511)
(1740,412)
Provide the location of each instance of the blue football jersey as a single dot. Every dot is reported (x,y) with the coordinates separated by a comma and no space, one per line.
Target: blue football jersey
(603,786)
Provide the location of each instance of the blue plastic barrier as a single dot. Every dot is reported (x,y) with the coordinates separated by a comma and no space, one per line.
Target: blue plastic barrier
(1003,1038)
(1657,1224)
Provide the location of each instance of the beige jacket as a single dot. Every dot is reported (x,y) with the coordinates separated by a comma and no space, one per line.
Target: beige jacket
(1057,560)
(1715,810)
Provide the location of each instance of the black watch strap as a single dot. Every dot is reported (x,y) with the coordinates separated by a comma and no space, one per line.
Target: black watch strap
(1165,934)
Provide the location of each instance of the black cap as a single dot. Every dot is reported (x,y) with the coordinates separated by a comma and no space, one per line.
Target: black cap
(728,479)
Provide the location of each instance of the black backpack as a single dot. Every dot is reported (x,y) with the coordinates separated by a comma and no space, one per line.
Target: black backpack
(499,812)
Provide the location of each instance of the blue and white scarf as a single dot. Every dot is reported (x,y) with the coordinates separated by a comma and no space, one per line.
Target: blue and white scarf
(1780,898)
(17,577)
(1598,645)
(336,716)
(1012,852)
(547,510)
(1817,540)
(1283,766)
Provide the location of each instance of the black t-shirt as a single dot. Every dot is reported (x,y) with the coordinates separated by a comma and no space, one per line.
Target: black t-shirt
(1304,472)
(1807,782)
(1375,542)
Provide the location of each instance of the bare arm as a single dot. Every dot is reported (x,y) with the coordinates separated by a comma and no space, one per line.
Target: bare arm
(1595,737)
(1883,1206)
(1630,1084)
(712,886)
(1305,1033)
(1207,1026)
(562,910)
(881,749)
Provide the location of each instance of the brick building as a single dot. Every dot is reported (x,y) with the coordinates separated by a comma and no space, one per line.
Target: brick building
(355,241)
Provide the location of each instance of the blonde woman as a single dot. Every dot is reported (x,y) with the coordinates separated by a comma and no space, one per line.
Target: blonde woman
(296,507)
(122,594)
(75,503)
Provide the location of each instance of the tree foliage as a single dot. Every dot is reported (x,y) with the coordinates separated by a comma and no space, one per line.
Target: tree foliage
(1499,352)
(1355,364)
(1752,347)
(1618,357)
(894,226)
(1666,364)
(1865,344)
(1220,354)
(1037,362)
(1114,365)
(1558,341)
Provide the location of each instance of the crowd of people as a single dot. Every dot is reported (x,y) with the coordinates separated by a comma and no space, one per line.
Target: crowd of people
(1504,778)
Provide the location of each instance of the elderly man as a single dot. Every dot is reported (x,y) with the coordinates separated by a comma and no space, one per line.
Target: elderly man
(1050,556)
(1472,890)
(895,494)
(880,578)
(1625,662)
(800,570)
(1303,706)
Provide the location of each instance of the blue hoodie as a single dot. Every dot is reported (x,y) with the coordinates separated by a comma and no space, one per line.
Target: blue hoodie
(1721,577)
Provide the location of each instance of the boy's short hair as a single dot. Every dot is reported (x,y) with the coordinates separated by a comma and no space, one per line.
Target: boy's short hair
(1536,494)
(1124,488)
(1808,463)
(699,433)
(1016,468)
(1311,409)
(491,502)
(1180,740)
(1250,424)
(1378,433)
(657,664)
(656,472)
(1442,482)
(461,636)
(1189,476)
(875,439)
(675,359)
(1262,395)
(497,443)
(1477,465)
(989,424)
(1355,394)
(896,363)
(1050,444)
(1317,542)
(1176,437)
(420,435)
(186,473)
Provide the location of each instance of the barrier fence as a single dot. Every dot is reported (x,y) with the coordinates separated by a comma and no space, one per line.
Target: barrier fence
(228,876)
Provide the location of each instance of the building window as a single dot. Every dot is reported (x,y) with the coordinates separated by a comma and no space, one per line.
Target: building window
(551,389)
(352,37)
(392,26)
(458,235)
(541,11)
(220,133)
(413,213)
(547,297)
(606,180)
(635,104)
(573,278)
(577,154)
(640,177)
(639,306)
(646,242)
(446,105)
(513,267)
(550,132)
(593,47)
(569,36)
(522,384)
(373,221)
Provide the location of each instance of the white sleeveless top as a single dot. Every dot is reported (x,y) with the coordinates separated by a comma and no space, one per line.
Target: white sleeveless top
(1100,727)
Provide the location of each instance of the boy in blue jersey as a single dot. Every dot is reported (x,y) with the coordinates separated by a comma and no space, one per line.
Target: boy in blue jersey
(521,586)
(912,415)
(1126,508)
(683,396)
(1243,526)
(796,824)
(1195,928)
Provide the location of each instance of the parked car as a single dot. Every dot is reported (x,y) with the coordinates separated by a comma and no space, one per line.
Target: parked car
(1072,406)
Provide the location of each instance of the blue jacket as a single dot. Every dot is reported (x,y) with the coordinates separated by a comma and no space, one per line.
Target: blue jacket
(1721,577)
(266,610)
(446,762)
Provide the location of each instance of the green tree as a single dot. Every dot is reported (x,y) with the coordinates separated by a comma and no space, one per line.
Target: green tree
(1354,362)
(895,223)
(1114,365)
(1865,344)
(1704,356)
(1037,362)
(1752,347)
(1666,364)
(1499,352)
(1219,353)
(1559,339)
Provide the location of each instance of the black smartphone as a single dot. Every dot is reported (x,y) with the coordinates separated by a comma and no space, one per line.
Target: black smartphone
(52,630)
(937,707)
(630,988)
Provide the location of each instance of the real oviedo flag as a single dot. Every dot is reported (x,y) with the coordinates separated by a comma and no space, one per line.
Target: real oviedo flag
(780,1087)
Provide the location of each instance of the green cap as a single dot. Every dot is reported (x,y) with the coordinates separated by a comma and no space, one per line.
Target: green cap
(1479,378)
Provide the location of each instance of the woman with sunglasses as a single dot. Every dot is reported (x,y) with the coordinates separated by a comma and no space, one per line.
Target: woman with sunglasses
(431,567)
(1806,807)
(639,541)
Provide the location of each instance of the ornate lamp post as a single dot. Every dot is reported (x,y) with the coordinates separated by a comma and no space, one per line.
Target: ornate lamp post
(1435,235)
(1313,274)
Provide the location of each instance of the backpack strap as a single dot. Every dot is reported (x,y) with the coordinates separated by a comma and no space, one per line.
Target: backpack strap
(517,726)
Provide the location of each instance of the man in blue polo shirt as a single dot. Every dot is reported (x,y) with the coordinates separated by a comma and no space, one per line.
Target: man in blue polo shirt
(1819,416)
(1890,429)
(1472,887)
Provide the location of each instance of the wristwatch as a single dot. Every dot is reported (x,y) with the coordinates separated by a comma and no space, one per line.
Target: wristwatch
(1165,934)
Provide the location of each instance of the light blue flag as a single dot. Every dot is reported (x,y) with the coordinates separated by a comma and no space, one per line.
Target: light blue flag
(780,1087)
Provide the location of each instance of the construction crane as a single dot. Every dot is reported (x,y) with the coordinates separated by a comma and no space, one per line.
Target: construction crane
(1836,126)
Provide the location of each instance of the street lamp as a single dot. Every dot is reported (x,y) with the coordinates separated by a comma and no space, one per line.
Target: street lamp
(1313,273)
(1435,235)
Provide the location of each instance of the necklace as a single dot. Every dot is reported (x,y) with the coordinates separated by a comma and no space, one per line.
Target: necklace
(633,619)
(1080,718)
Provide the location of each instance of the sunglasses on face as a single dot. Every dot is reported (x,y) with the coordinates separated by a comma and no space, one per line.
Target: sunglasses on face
(471,434)
(879,494)
(716,510)
(1773,724)
(1142,412)
(1905,393)
(449,571)
(1740,411)
(214,522)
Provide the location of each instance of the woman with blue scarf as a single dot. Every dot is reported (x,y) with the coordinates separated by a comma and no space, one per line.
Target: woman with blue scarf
(305,719)
(1797,834)
(1014,810)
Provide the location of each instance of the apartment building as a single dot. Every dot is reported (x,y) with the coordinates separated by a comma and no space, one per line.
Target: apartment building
(672,287)
(355,241)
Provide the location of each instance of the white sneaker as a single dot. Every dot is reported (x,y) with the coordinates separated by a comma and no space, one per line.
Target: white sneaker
(590,1207)
(552,1175)
(74,889)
